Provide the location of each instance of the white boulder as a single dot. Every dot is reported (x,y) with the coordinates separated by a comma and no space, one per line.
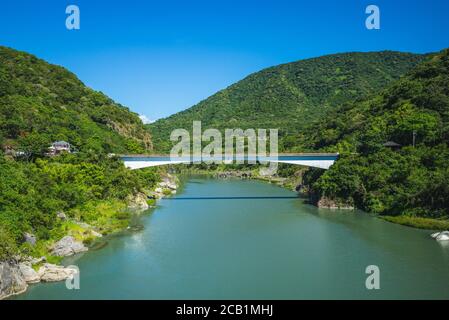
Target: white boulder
(29,238)
(29,274)
(440,236)
(51,272)
(67,246)
(167,185)
(61,215)
(11,279)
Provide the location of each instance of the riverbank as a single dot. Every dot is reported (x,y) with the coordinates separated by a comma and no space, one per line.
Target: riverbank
(191,248)
(290,182)
(293,182)
(77,237)
(77,231)
(417,222)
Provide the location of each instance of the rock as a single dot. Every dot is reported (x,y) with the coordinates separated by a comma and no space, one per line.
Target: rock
(266,172)
(29,238)
(172,186)
(234,174)
(440,236)
(51,272)
(61,215)
(89,228)
(157,194)
(96,234)
(29,274)
(84,225)
(14,276)
(158,190)
(168,185)
(138,201)
(164,188)
(328,203)
(443,237)
(434,235)
(11,279)
(168,182)
(67,246)
(38,260)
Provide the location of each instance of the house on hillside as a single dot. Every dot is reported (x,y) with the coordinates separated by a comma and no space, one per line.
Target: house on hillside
(392,145)
(59,147)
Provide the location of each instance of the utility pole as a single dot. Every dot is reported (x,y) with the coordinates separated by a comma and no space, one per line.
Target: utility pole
(414,138)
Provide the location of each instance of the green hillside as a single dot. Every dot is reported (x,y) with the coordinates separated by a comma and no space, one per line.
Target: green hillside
(289,96)
(41,103)
(408,180)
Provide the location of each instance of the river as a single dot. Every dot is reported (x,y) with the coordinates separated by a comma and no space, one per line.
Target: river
(254,240)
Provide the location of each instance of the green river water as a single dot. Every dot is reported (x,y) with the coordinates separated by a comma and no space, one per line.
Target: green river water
(255,241)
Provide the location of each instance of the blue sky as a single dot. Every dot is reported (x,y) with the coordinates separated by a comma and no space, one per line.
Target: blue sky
(160,57)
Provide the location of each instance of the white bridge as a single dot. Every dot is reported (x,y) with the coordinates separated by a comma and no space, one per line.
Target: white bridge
(316,160)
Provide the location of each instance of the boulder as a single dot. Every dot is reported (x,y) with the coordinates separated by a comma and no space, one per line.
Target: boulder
(11,279)
(443,236)
(96,234)
(138,201)
(37,260)
(328,203)
(168,185)
(158,190)
(90,228)
(51,272)
(28,273)
(156,194)
(440,236)
(83,225)
(172,186)
(29,238)
(61,215)
(67,246)
(168,182)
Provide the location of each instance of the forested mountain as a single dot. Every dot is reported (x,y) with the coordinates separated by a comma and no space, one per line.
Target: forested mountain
(410,180)
(352,103)
(291,95)
(41,103)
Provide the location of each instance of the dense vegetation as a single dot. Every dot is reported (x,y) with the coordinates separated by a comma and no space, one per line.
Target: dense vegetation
(353,104)
(290,96)
(89,188)
(411,180)
(41,103)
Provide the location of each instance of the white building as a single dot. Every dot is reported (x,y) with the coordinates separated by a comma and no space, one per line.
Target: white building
(59,147)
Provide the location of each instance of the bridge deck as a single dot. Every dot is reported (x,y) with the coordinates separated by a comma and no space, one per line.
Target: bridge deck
(281,156)
(318,160)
